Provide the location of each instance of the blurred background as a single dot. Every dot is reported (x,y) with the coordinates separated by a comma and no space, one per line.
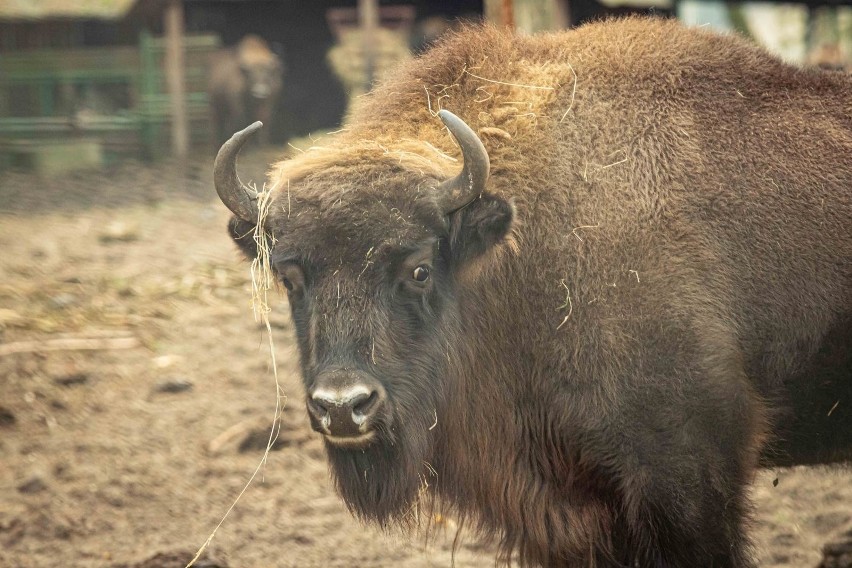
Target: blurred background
(101,80)
(136,389)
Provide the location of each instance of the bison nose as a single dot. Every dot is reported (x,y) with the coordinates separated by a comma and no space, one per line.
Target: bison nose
(346,413)
(260,91)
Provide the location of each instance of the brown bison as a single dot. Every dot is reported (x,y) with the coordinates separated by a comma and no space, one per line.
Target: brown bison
(585,329)
(244,84)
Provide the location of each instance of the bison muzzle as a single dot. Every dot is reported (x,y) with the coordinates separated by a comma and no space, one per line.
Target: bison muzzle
(584,314)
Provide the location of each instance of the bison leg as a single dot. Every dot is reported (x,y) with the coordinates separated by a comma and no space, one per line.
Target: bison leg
(682,469)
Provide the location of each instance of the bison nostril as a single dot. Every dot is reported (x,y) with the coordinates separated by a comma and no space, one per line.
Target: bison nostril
(363,406)
(317,407)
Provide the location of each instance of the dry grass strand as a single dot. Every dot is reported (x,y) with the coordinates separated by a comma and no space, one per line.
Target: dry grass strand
(263,280)
(568,304)
(508,84)
(573,93)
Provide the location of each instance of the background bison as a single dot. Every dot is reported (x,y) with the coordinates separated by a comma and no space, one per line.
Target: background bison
(244,85)
(589,351)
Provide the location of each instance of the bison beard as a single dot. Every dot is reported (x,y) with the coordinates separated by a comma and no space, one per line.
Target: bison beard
(382,482)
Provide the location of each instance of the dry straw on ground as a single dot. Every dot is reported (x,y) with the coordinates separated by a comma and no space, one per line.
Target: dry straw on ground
(263,280)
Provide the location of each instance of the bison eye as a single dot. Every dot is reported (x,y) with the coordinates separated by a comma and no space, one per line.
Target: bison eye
(292,277)
(420,274)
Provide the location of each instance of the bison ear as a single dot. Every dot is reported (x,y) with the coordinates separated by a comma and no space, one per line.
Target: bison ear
(243,234)
(478,227)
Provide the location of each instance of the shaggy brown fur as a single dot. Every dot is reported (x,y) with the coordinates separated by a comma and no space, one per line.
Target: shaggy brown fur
(244,84)
(663,287)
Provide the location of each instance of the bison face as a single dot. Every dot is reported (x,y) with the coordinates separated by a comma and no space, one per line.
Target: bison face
(376,260)
(261,68)
(264,78)
(374,292)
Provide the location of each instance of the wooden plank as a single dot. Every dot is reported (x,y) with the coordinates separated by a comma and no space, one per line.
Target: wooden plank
(174,65)
(101,61)
(368,21)
(69,59)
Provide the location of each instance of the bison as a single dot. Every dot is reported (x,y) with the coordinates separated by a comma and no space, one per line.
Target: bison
(582,315)
(244,84)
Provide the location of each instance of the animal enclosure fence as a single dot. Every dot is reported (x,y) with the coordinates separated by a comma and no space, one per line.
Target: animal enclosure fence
(97,104)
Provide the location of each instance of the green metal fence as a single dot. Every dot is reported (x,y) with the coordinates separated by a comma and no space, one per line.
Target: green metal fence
(115,97)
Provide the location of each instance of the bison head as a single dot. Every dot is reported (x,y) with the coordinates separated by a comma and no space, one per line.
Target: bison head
(376,259)
(262,69)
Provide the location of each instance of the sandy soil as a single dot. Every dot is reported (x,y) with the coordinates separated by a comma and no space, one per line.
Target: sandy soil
(114,457)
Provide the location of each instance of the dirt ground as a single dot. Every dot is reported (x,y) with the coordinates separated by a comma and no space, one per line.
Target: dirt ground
(127,444)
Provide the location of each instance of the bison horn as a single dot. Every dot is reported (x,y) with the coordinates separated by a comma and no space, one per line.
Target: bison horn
(461,190)
(240,199)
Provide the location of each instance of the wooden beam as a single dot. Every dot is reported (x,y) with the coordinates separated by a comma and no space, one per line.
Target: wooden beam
(368,21)
(528,16)
(174,64)
(500,12)
(508,14)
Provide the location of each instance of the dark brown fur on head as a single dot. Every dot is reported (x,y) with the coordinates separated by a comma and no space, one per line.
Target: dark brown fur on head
(652,286)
